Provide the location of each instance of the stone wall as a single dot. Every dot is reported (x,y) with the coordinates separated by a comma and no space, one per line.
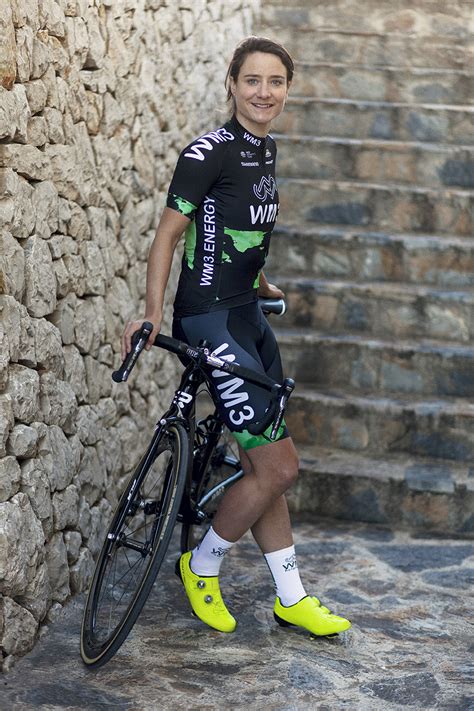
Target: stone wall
(96,99)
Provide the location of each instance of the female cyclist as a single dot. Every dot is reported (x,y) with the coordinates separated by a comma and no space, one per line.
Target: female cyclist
(224,197)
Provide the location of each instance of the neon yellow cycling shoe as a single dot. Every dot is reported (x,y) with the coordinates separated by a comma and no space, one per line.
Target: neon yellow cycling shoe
(205,596)
(310,614)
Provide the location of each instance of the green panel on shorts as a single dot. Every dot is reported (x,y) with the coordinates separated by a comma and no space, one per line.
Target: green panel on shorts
(249,441)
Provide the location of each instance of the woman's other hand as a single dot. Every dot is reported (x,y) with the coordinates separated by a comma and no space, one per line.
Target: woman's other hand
(270,291)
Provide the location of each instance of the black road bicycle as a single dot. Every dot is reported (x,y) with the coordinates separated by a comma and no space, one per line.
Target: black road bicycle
(186,469)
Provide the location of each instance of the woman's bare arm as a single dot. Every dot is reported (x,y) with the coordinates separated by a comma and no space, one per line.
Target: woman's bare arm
(168,233)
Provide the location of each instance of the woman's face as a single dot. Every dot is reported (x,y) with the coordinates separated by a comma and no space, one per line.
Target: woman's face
(260,91)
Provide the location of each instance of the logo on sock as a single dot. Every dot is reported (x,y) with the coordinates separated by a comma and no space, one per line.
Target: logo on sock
(219,552)
(290,563)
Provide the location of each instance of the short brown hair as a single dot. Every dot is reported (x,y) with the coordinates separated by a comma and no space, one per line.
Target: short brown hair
(256,44)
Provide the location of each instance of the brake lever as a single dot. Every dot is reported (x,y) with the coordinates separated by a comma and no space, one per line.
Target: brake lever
(286,390)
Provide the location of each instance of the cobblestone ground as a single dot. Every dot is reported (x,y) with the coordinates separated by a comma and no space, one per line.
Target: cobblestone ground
(410,646)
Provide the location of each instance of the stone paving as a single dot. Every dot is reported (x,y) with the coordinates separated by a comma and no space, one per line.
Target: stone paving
(411,645)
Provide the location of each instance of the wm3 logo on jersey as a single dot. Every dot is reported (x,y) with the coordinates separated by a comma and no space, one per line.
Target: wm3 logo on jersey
(267,212)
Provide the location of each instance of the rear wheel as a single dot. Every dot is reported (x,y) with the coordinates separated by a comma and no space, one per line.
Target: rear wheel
(135,545)
(224,469)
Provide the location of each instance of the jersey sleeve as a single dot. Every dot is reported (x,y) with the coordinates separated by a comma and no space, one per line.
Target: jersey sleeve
(197,169)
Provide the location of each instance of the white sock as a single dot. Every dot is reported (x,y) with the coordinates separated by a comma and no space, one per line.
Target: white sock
(209,554)
(284,569)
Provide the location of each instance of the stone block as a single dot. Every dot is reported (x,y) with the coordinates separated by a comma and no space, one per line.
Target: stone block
(26,160)
(22,442)
(91,479)
(58,568)
(37,596)
(36,134)
(54,125)
(349,434)
(64,316)
(48,347)
(21,544)
(12,266)
(24,389)
(94,269)
(65,508)
(396,377)
(19,628)
(58,402)
(41,55)
(14,113)
(446,323)
(10,477)
(24,53)
(75,373)
(82,571)
(7,48)
(73,541)
(63,465)
(36,95)
(7,420)
(436,479)
(46,206)
(34,483)
(40,299)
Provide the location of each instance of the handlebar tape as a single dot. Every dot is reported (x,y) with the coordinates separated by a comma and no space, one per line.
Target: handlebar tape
(139,340)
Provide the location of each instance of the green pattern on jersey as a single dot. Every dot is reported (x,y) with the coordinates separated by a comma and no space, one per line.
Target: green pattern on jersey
(190,243)
(249,441)
(245,240)
(256,283)
(184,206)
(226,258)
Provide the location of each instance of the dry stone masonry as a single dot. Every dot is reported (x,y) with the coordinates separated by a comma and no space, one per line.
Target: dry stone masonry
(96,99)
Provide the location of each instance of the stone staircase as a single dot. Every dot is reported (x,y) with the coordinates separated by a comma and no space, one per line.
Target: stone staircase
(375,251)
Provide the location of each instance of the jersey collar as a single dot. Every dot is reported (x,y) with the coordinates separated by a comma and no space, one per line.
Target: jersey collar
(245,135)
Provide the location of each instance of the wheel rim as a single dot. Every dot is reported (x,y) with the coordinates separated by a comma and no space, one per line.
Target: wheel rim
(131,547)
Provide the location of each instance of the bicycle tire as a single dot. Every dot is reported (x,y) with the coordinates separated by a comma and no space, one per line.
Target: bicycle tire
(224,463)
(135,545)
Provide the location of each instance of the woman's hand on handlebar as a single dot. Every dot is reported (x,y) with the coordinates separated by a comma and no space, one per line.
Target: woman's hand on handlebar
(270,291)
(133,326)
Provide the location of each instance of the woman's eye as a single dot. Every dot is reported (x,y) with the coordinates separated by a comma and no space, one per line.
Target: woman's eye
(278,82)
(252,81)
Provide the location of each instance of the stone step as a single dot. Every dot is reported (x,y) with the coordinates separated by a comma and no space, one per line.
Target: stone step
(422,164)
(428,368)
(374,206)
(449,22)
(373,36)
(389,83)
(375,426)
(343,118)
(345,253)
(383,310)
(416,493)
(321,44)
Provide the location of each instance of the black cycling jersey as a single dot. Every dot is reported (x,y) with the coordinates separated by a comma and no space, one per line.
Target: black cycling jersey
(225,183)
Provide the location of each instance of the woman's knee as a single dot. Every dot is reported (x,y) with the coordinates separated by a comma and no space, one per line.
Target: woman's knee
(288,472)
(281,475)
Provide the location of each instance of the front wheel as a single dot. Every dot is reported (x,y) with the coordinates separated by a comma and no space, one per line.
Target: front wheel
(135,545)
